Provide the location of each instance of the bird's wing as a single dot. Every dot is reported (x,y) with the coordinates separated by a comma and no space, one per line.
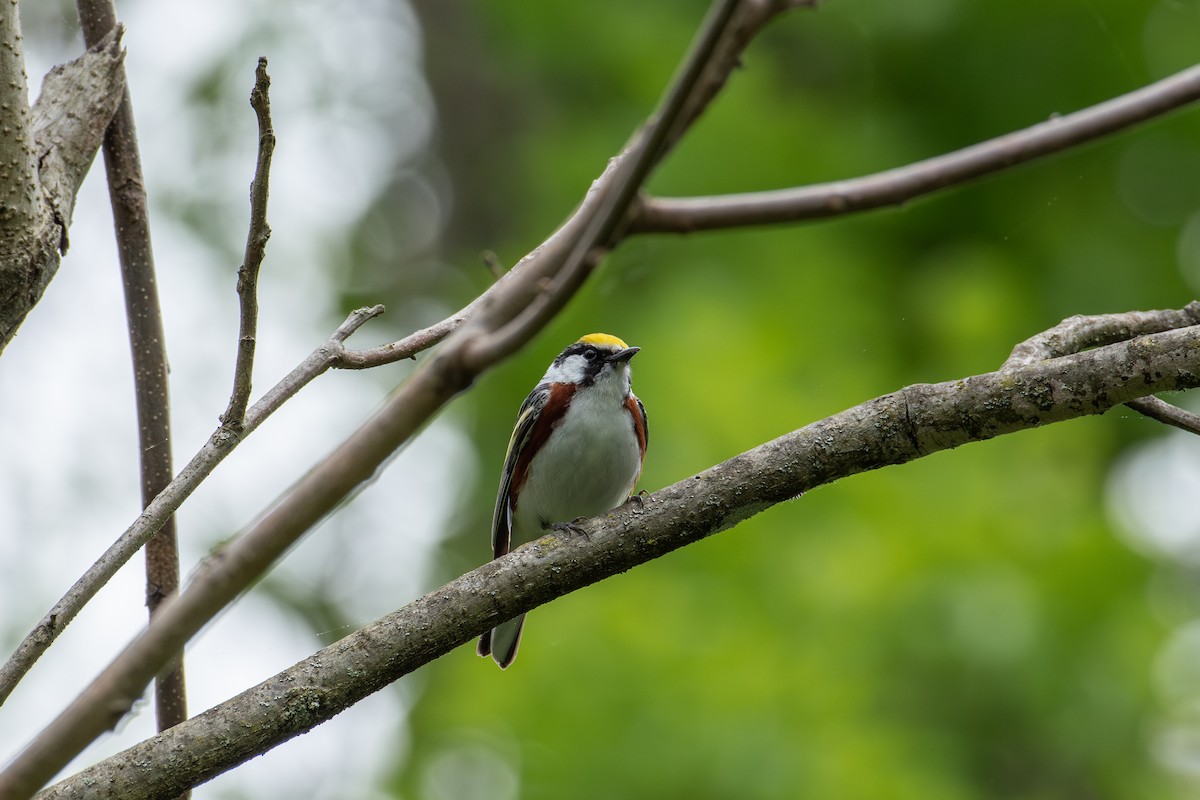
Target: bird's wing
(641,431)
(527,418)
(645,437)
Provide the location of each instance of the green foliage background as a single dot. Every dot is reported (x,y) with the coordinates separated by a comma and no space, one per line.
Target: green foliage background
(968,626)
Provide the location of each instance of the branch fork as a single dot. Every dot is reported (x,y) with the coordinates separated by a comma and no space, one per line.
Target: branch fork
(1079,332)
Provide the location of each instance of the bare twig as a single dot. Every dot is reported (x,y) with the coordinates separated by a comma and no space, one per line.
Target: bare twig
(1164,412)
(127,195)
(256,245)
(220,444)
(425,338)
(409,346)
(893,429)
(897,186)
(1076,333)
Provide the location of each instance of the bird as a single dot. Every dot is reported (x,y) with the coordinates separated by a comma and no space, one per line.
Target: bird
(576,450)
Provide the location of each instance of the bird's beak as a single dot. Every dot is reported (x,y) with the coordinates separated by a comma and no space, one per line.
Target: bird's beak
(623,356)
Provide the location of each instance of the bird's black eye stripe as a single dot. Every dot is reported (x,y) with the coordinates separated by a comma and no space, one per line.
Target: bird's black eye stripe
(593,356)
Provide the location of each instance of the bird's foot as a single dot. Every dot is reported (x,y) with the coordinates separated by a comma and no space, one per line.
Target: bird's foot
(638,498)
(572,528)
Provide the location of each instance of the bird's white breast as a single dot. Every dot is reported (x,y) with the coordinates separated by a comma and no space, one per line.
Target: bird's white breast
(587,466)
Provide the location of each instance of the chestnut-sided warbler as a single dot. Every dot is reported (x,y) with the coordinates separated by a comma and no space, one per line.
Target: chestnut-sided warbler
(576,451)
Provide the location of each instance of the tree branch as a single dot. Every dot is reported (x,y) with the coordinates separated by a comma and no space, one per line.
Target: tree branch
(147,344)
(77,101)
(703,74)
(48,151)
(256,246)
(898,186)
(723,56)
(219,445)
(892,429)
(726,31)
(1079,332)
(1162,411)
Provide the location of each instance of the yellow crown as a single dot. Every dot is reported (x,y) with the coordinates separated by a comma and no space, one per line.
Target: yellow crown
(604,339)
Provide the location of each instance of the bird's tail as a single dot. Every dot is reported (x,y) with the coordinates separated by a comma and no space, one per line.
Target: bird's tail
(501,642)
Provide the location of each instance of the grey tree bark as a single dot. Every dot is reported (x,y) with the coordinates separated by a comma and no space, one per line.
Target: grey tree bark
(44,154)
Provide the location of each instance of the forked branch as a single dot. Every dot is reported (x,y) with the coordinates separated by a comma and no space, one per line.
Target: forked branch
(1080,332)
(841,198)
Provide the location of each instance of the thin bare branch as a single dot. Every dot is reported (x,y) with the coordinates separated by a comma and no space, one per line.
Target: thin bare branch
(426,338)
(147,344)
(410,345)
(256,246)
(1164,412)
(724,56)
(219,445)
(898,186)
(892,429)
(727,30)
